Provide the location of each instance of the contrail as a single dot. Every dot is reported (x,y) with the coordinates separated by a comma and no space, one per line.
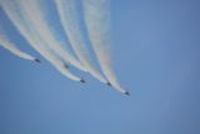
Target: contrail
(69,19)
(33,11)
(97,22)
(5,43)
(23,26)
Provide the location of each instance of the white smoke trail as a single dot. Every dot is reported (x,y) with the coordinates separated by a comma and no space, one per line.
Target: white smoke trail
(23,26)
(5,43)
(69,18)
(34,13)
(97,22)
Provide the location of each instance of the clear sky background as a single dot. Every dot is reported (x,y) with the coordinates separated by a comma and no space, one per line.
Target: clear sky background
(156,55)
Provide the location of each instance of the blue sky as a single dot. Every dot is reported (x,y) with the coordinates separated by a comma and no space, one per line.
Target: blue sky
(156,56)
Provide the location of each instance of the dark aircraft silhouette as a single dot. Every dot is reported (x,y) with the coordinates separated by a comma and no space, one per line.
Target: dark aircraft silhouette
(109,84)
(82,81)
(127,93)
(37,60)
(66,66)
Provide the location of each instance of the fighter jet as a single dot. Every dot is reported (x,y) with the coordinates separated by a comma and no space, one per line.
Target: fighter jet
(127,93)
(109,84)
(37,60)
(82,81)
(66,66)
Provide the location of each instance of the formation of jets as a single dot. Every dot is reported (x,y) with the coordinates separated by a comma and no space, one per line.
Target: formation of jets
(34,27)
(83,80)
